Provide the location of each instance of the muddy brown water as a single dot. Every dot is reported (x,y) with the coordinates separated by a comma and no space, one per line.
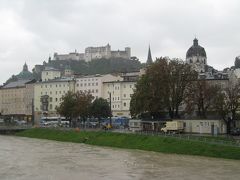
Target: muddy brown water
(34,159)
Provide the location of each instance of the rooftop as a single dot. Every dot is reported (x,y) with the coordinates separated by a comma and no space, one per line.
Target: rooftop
(196,50)
(17,84)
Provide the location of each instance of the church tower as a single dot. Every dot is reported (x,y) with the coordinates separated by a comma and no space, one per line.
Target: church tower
(149,58)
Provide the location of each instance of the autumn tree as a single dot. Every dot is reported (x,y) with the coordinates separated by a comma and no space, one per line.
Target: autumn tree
(67,106)
(227,104)
(74,105)
(162,88)
(84,102)
(200,97)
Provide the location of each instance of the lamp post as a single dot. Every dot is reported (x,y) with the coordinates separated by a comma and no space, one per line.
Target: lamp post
(110,103)
(33,112)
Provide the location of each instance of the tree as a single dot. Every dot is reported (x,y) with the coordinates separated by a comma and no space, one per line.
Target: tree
(181,76)
(148,96)
(100,109)
(227,103)
(162,88)
(201,95)
(83,107)
(67,106)
(74,105)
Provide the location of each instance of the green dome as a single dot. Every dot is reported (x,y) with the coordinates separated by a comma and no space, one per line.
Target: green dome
(25,74)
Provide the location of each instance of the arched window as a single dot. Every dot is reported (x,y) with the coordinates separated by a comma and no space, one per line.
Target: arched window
(190,60)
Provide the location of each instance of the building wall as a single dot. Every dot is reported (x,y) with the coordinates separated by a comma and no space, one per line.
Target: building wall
(198,63)
(121,54)
(17,101)
(204,126)
(121,92)
(223,83)
(55,90)
(95,53)
(29,97)
(68,73)
(50,74)
(71,56)
(94,84)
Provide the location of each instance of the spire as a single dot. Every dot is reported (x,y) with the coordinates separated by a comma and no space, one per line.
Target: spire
(195,42)
(25,67)
(149,59)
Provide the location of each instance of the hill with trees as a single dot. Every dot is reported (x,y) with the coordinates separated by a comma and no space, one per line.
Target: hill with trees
(98,66)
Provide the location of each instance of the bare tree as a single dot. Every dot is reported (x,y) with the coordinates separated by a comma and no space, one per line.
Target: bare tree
(227,104)
(201,96)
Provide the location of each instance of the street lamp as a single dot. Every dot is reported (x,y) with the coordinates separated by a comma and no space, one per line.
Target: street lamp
(110,103)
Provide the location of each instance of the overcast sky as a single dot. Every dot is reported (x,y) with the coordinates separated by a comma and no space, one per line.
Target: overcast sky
(30,30)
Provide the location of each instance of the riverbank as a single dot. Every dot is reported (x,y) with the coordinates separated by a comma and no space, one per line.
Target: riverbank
(135,141)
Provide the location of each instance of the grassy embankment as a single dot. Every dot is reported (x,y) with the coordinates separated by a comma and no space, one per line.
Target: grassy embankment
(134,141)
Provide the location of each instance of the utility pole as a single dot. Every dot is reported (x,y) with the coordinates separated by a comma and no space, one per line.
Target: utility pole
(33,112)
(110,103)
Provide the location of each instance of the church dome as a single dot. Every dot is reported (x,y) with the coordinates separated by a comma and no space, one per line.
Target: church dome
(196,50)
(25,74)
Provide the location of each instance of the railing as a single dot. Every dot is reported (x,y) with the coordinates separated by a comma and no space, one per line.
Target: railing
(219,140)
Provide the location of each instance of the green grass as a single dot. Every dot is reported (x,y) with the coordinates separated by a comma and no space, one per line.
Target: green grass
(134,141)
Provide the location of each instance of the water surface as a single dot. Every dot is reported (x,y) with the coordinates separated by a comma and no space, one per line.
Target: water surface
(34,159)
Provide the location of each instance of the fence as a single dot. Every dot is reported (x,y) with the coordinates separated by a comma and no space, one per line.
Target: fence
(228,141)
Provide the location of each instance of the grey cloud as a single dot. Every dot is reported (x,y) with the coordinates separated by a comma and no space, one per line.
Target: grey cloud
(45,26)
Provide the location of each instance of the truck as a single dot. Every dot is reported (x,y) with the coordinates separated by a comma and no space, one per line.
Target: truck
(135,125)
(173,127)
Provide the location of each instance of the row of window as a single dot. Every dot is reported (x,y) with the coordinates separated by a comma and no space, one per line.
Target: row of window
(117,87)
(114,106)
(204,61)
(50,86)
(56,99)
(90,91)
(56,92)
(86,84)
(117,98)
(92,79)
(64,92)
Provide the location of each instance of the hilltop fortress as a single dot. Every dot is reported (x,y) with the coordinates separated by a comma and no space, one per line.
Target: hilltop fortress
(95,53)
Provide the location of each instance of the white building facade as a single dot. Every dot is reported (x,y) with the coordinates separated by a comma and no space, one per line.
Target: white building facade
(48,94)
(121,92)
(50,73)
(94,83)
(204,126)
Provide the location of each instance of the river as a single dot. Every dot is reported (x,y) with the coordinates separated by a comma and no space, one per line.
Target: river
(34,159)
